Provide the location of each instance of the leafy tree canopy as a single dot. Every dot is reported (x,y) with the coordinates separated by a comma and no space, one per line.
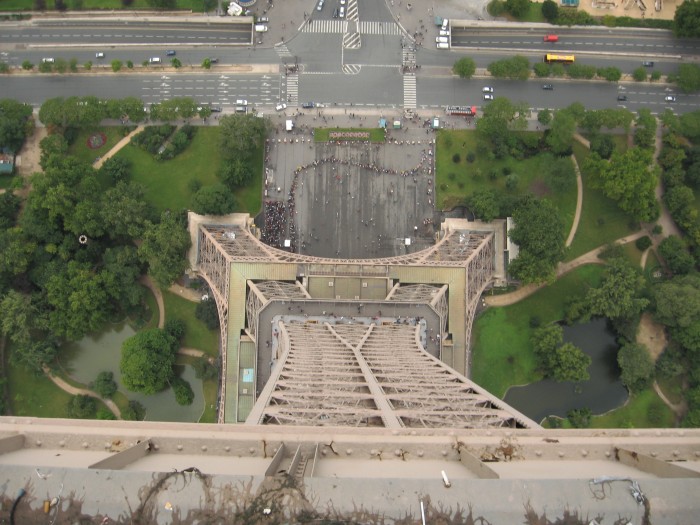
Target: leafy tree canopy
(636,365)
(147,361)
(213,200)
(686,21)
(164,246)
(465,67)
(15,123)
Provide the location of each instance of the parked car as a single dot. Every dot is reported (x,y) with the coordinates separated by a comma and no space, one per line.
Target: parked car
(170,53)
(648,63)
(551,38)
(241,102)
(444,32)
(622,98)
(443,45)
(442,39)
(216,109)
(281,106)
(670,98)
(487,89)
(488,96)
(548,87)
(263,20)
(342,2)
(307,105)
(260,28)
(241,109)
(213,60)
(99,54)
(445,24)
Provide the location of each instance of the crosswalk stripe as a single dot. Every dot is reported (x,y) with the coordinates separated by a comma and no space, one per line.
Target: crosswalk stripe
(379,28)
(293,89)
(409,91)
(283,51)
(325,26)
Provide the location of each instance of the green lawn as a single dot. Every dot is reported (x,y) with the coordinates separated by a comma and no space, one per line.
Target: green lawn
(601,219)
(152,309)
(502,353)
(375,134)
(28,5)
(35,395)
(644,410)
(672,388)
(80,148)
(197,335)
(632,254)
(6,181)
(210,390)
(167,183)
(455,181)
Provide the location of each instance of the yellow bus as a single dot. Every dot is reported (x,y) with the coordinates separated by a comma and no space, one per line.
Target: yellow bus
(565,59)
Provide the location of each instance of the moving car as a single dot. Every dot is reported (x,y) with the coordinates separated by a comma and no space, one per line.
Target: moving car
(99,54)
(487,89)
(622,98)
(263,20)
(342,12)
(307,105)
(488,96)
(670,98)
(342,2)
(648,63)
(48,60)
(281,106)
(241,102)
(319,6)
(154,60)
(260,28)
(548,87)
(216,109)
(213,60)
(170,53)
(241,109)
(551,38)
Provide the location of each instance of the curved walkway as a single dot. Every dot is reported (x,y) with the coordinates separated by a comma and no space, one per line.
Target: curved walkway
(678,409)
(579,203)
(148,283)
(75,391)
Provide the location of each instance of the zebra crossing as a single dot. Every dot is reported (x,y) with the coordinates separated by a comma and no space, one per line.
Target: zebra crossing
(293,89)
(325,26)
(409,91)
(352,41)
(283,51)
(351,69)
(378,28)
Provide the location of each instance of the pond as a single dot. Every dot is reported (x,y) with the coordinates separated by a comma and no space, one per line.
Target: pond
(96,353)
(603,392)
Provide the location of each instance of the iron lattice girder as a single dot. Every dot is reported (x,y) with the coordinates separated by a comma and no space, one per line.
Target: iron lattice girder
(325,379)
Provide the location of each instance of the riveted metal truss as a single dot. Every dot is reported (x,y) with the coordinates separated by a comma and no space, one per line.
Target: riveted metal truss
(371,375)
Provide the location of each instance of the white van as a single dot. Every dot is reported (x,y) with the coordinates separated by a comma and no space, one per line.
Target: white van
(443,45)
(445,24)
(154,60)
(260,28)
(442,40)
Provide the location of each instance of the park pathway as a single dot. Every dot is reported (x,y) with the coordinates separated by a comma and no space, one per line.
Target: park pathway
(678,408)
(148,283)
(562,269)
(119,145)
(75,391)
(579,202)
(186,293)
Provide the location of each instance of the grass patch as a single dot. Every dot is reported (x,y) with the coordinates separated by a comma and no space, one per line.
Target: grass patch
(28,5)
(644,410)
(7,180)
(672,388)
(601,219)
(456,181)
(35,395)
(80,149)
(375,134)
(632,254)
(167,183)
(210,390)
(152,312)
(502,354)
(197,335)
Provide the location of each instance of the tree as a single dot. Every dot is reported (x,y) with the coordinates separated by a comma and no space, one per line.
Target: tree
(175,329)
(175,62)
(603,144)
(116,65)
(571,364)
(686,21)
(206,63)
(580,417)
(636,365)
(499,119)
(174,109)
(484,204)
(544,117)
(104,385)
(240,135)
(518,8)
(465,67)
(16,251)
(16,314)
(164,246)
(78,299)
(205,369)
(134,412)
(550,10)
(213,200)
(125,210)
(561,133)
(539,233)
(678,301)
(9,208)
(645,131)
(82,407)
(545,341)
(640,74)
(120,276)
(611,74)
(105,414)
(688,77)
(516,68)
(27,65)
(235,173)
(675,253)
(116,169)
(147,361)
(184,395)
(207,312)
(620,294)
(15,123)
(628,179)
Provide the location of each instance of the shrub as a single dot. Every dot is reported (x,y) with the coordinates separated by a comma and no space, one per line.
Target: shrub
(517,68)
(581,71)
(82,407)
(87,65)
(643,243)
(152,137)
(129,64)
(134,412)
(580,417)
(542,69)
(611,74)
(603,145)
(655,75)
(105,414)
(451,176)
(512,181)
(175,328)
(116,65)
(550,10)
(557,70)
(4,67)
(184,395)
(105,385)
(471,157)
(27,65)
(456,158)
(639,74)
(205,369)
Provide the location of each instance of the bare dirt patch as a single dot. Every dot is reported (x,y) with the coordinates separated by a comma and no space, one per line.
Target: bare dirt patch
(652,335)
(539,188)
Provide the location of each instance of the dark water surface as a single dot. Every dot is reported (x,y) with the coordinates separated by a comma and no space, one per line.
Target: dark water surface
(601,393)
